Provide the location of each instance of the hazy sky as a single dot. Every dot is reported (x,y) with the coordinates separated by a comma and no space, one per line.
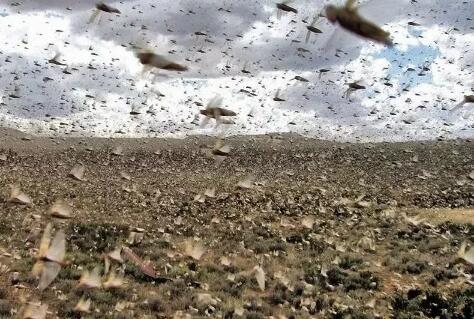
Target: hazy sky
(103,82)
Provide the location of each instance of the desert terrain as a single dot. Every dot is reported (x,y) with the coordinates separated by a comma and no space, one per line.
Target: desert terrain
(282,227)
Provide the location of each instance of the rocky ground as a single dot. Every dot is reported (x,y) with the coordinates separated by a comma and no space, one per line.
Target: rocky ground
(298,228)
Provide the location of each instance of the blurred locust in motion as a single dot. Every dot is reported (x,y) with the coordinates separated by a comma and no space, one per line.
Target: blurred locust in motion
(467,99)
(348,17)
(102,7)
(50,257)
(152,60)
(354,86)
(214,110)
(55,60)
(34,310)
(312,29)
(284,7)
(278,97)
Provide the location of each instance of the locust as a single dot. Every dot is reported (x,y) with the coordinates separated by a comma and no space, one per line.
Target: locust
(277,97)
(348,17)
(283,6)
(323,71)
(467,99)
(50,257)
(354,86)
(220,149)
(102,7)
(312,29)
(54,60)
(214,110)
(150,59)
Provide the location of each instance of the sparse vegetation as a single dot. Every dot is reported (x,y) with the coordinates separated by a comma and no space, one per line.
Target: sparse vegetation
(430,304)
(96,238)
(5,308)
(352,280)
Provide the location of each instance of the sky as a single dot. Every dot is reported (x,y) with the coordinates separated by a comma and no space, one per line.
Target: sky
(102,81)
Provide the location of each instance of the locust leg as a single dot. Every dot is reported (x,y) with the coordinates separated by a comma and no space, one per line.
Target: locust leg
(457,107)
(94,15)
(348,92)
(308,35)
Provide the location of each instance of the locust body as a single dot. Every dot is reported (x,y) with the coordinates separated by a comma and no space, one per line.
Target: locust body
(349,18)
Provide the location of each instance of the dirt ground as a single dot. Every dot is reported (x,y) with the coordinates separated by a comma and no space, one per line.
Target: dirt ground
(335,230)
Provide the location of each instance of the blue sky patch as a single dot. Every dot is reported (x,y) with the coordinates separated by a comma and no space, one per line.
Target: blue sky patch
(416,56)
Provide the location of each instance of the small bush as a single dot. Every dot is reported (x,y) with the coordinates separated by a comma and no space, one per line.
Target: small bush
(5,307)
(349,262)
(96,237)
(363,280)
(156,304)
(415,267)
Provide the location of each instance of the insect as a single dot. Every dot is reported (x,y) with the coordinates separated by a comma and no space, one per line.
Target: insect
(54,60)
(301,79)
(104,8)
(90,280)
(145,266)
(34,310)
(83,305)
(467,99)
(214,110)
(277,97)
(220,149)
(61,210)
(18,196)
(283,6)
(194,250)
(50,257)
(348,17)
(312,29)
(150,59)
(323,71)
(244,69)
(466,255)
(354,86)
